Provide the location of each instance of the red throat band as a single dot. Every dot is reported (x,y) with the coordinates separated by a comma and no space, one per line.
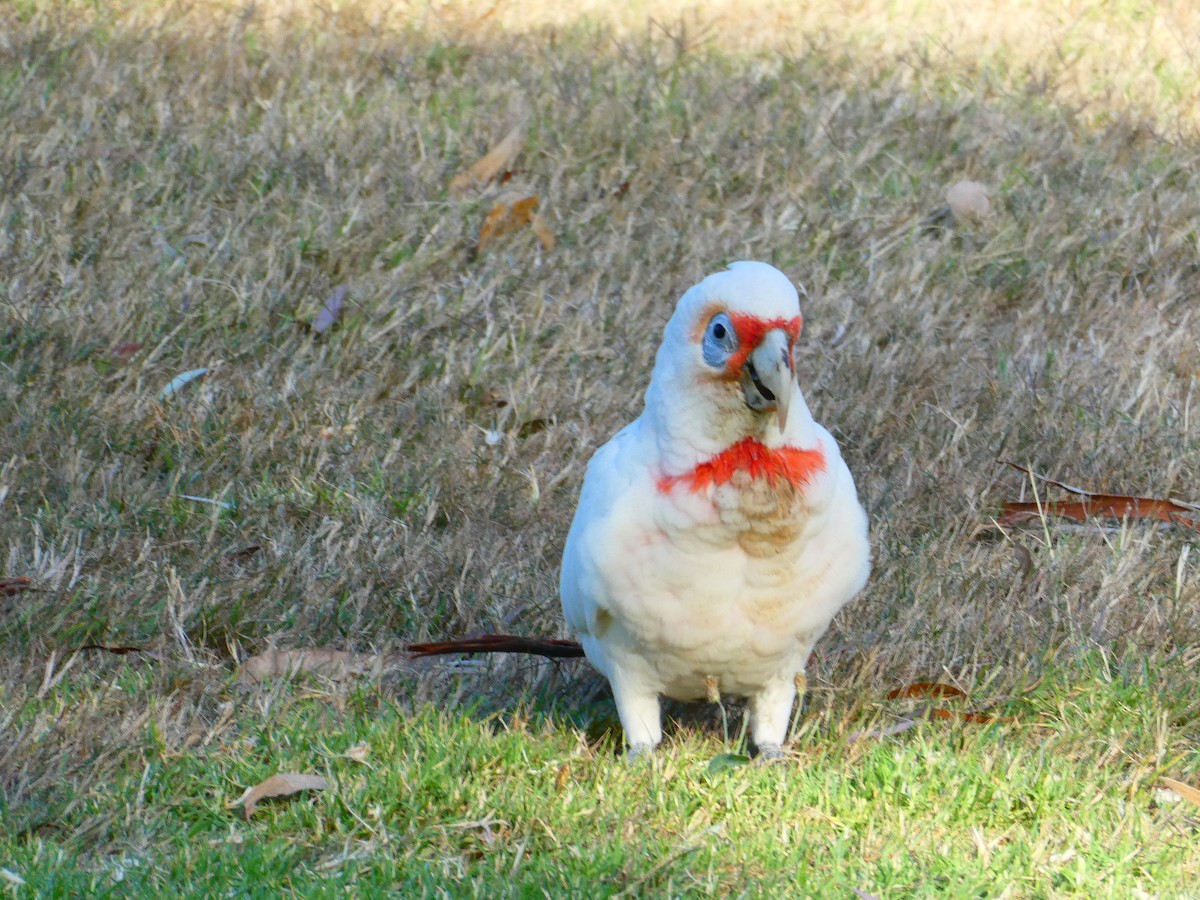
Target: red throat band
(748,455)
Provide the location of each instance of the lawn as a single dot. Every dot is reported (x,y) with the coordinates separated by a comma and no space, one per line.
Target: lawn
(192,186)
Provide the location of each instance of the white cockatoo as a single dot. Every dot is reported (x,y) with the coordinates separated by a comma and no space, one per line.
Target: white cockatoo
(719,532)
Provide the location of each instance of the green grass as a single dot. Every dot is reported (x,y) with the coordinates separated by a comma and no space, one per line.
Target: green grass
(198,178)
(1054,798)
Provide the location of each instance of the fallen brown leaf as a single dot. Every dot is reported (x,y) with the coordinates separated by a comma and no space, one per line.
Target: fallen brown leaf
(1184,790)
(973,717)
(543,232)
(10,587)
(282,785)
(119,651)
(506,217)
(1110,506)
(562,777)
(500,643)
(334,664)
(493,164)
(126,350)
(922,713)
(925,689)
(1093,505)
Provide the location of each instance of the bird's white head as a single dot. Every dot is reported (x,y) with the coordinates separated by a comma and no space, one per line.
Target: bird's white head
(725,369)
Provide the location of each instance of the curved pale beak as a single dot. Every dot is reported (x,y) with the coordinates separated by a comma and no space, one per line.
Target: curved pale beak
(767,375)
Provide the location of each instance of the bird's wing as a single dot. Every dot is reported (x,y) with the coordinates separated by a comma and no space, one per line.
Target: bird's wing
(610,476)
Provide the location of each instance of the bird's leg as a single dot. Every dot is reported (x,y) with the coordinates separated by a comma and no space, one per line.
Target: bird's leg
(801,683)
(770,710)
(712,692)
(640,714)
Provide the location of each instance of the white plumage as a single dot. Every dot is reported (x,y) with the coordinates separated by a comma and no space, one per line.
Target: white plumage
(719,532)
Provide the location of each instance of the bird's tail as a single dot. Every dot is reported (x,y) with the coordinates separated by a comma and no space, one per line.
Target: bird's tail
(500,643)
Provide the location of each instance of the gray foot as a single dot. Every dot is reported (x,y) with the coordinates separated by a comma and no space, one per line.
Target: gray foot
(770,753)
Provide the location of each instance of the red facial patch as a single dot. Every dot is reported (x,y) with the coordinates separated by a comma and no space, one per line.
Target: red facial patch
(750,332)
(748,455)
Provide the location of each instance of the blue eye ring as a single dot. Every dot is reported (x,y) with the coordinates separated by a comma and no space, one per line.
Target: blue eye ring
(720,341)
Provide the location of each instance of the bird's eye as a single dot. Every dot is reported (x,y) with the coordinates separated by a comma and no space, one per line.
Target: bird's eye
(720,340)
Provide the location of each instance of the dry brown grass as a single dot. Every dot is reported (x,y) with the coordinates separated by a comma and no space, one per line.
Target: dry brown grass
(1101,57)
(198,178)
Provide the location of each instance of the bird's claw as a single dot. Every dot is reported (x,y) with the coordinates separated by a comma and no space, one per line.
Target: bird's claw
(770,753)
